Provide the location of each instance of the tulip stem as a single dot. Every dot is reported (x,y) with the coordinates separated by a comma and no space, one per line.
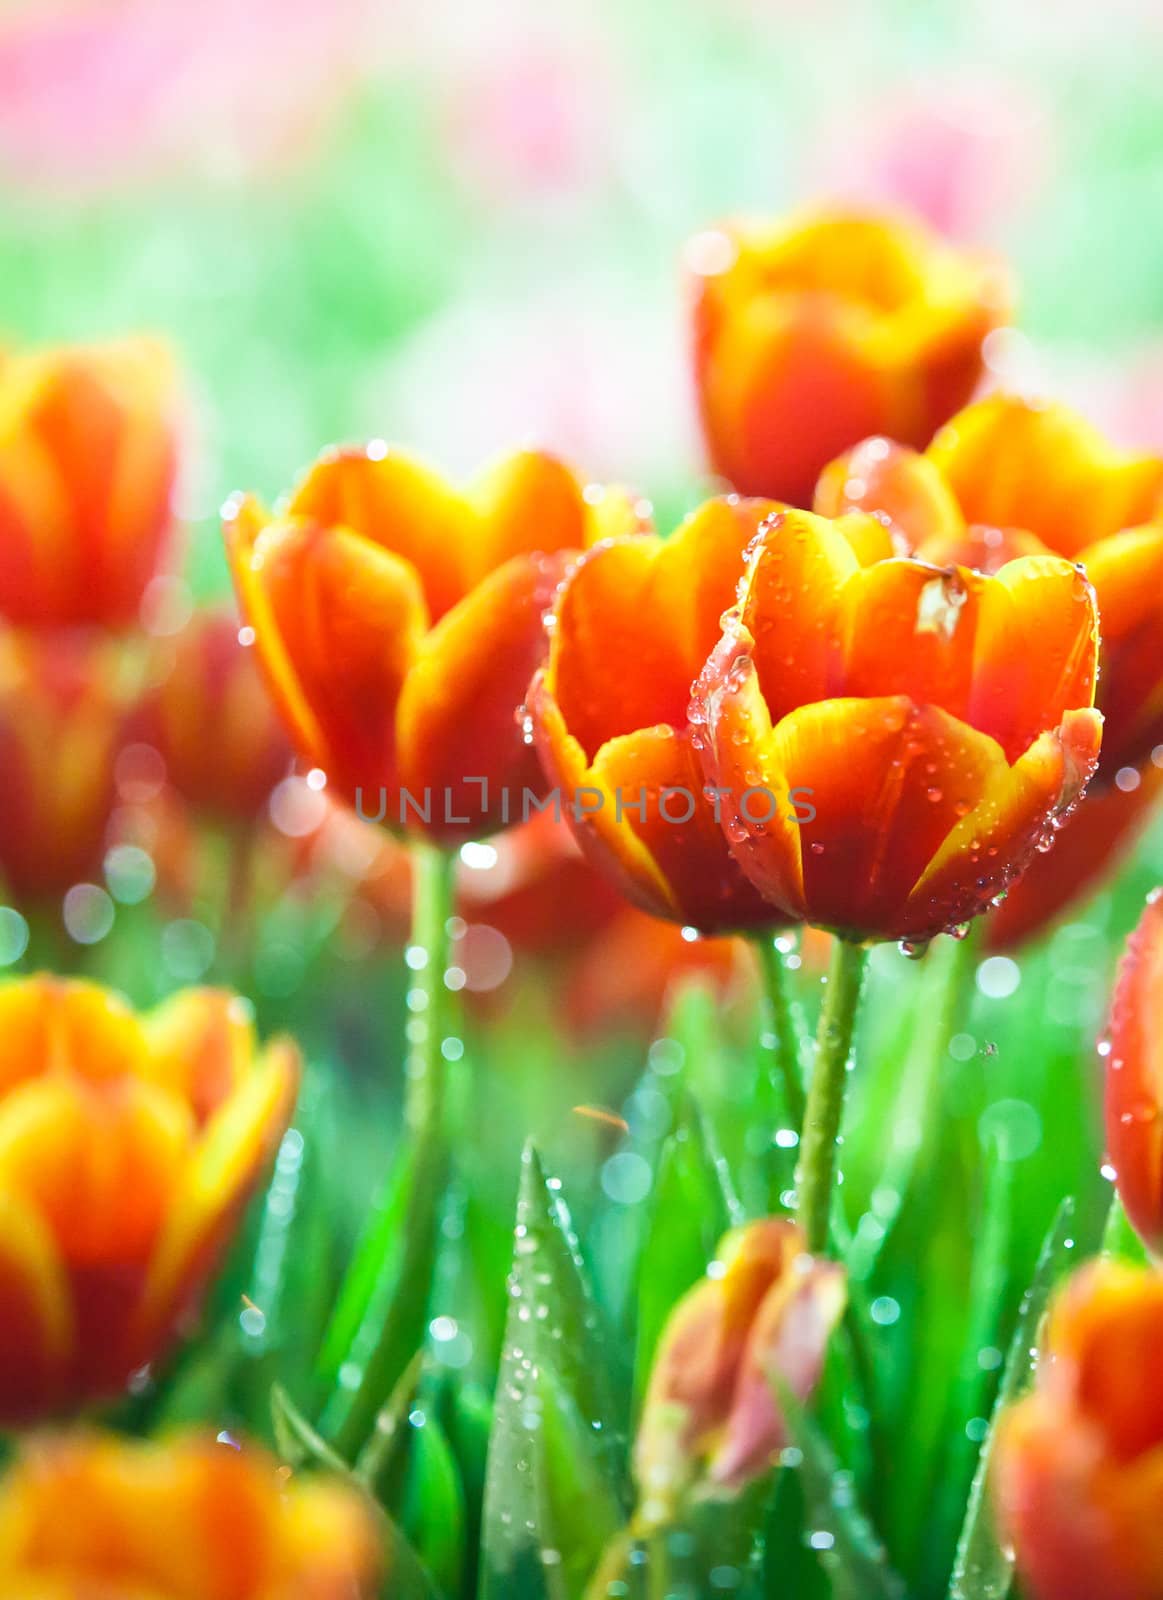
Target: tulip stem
(784,1027)
(817,1167)
(429,999)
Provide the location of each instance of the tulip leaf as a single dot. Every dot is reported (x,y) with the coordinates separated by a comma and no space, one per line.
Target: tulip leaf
(983,1568)
(847,1544)
(551,1503)
(433,1513)
(1119,1239)
(693,1206)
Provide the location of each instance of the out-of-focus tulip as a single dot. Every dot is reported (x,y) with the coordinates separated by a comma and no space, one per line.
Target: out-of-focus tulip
(127,1147)
(535,886)
(628,970)
(1089,850)
(62,718)
(1006,478)
(87,1516)
(809,336)
(399,622)
(88,454)
(211,719)
(1079,1461)
(763,1313)
(935,723)
(1134,1077)
(634,626)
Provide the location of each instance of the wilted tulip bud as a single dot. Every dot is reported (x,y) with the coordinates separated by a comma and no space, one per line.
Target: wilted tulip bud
(762,1316)
(87,1514)
(213,722)
(88,452)
(1079,1461)
(811,335)
(128,1146)
(62,719)
(1134,1077)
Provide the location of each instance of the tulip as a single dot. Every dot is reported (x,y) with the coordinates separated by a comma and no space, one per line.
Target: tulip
(399,622)
(538,890)
(808,337)
(762,1316)
(212,721)
(88,1516)
(634,625)
(88,447)
(1007,478)
(62,720)
(1134,1077)
(939,721)
(128,1146)
(1079,1461)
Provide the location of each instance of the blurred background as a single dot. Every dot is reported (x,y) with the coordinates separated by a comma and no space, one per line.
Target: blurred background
(459,226)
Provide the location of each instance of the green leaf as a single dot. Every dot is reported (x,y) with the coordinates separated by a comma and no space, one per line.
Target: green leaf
(983,1568)
(554,1454)
(1119,1238)
(433,1513)
(693,1206)
(849,1549)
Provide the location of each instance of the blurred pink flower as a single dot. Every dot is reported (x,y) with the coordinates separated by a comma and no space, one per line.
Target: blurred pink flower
(95,93)
(963,155)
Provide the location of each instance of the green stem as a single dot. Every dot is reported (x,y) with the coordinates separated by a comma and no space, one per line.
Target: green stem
(430,1002)
(825,1105)
(784,1026)
(432,1015)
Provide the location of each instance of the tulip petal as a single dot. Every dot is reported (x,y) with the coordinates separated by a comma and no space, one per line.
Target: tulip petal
(233,1150)
(528,503)
(900,484)
(401,506)
(36,1324)
(1016,464)
(460,719)
(199,1045)
(1134,1077)
(1127,574)
(338,621)
(992,843)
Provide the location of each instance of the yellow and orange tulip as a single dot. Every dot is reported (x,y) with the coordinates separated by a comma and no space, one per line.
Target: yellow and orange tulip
(1134,1077)
(765,1310)
(937,721)
(1008,477)
(89,1516)
(399,621)
(634,625)
(1079,1461)
(63,714)
(88,458)
(128,1146)
(810,335)
(212,720)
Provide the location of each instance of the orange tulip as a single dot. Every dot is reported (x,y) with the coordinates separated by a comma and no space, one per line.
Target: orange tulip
(1134,1077)
(88,447)
(938,722)
(212,721)
(399,622)
(1009,478)
(809,336)
(89,1516)
(62,719)
(539,891)
(635,624)
(1079,1462)
(127,1148)
(766,1309)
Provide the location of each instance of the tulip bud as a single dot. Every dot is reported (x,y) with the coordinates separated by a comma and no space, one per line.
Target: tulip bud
(62,718)
(762,1316)
(88,453)
(86,1513)
(1134,1076)
(128,1146)
(213,722)
(1078,1463)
